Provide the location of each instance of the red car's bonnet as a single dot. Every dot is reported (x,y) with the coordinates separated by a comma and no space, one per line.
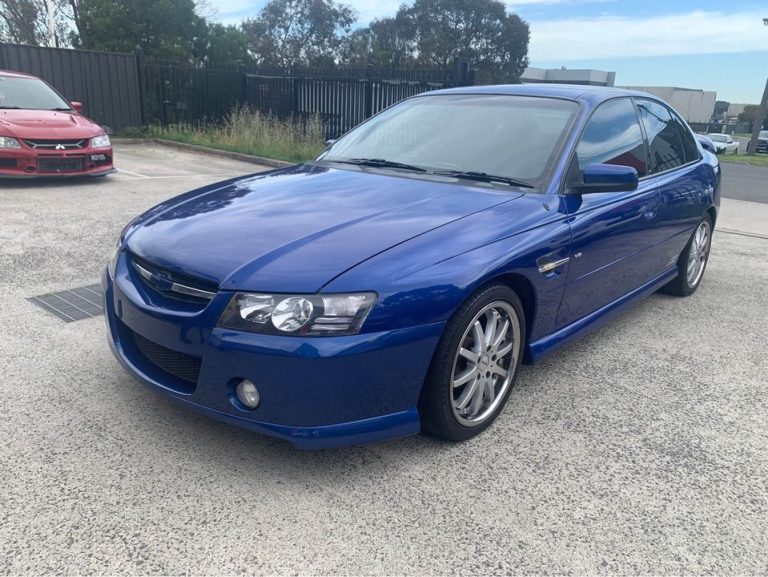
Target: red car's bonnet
(47,124)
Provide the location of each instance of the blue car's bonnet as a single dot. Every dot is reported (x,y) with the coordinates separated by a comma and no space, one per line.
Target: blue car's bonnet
(295,230)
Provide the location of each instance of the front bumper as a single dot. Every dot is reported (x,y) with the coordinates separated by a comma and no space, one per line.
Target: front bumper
(316,392)
(26,162)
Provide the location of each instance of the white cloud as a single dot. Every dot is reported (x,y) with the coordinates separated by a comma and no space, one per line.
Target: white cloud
(697,32)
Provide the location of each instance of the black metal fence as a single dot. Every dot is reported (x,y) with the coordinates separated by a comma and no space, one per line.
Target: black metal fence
(125,90)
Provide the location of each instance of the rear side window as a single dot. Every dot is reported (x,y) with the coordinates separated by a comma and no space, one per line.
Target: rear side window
(690,149)
(613,136)
(664,142)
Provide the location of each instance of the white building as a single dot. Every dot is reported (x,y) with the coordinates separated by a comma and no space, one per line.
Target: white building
(567,76)
(694,105)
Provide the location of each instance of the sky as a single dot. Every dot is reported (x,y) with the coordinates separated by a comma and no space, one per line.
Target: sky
(706,44)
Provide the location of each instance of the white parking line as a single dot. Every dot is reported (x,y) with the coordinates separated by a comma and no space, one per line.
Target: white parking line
(132,173)
(226,175)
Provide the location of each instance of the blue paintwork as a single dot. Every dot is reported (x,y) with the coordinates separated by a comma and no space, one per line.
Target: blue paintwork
(608,178)
(423,245)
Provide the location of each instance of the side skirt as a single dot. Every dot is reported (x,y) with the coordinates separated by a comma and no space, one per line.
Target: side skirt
(535,351)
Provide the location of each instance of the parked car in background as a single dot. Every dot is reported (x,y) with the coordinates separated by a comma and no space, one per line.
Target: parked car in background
(397,283)
(42,134)
(724,143)
(762,142)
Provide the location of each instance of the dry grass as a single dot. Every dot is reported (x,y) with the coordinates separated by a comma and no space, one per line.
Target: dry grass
(251,132)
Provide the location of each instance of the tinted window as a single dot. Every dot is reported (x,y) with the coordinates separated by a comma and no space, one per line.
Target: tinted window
(513,136)
(613,136)
(665,144)
(690,149)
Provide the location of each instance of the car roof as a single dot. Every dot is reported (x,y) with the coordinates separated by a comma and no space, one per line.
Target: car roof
(14,74)
(592,94)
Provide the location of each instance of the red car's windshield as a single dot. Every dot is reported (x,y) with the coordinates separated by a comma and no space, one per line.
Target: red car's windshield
(29,93)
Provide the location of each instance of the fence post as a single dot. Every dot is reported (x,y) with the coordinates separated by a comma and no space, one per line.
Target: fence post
(243,83)
(368,91)
(140,74)
(295,112)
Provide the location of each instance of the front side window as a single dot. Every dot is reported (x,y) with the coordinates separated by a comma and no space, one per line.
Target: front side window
(613,136)
(511,136)
(664,142)
(29,93)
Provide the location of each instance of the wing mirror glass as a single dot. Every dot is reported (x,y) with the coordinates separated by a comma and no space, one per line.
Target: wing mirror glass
(607,178)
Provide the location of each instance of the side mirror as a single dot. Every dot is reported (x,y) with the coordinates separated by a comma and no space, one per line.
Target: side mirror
(607,178)
(330,142)
(78,106)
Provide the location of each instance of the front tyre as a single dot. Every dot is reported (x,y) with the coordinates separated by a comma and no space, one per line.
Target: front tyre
(475,365)
(693,261)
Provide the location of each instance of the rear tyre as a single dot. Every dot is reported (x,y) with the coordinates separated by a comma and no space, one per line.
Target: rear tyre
(693,261)
(475,365)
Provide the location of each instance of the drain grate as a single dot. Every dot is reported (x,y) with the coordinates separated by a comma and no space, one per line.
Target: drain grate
(73,305)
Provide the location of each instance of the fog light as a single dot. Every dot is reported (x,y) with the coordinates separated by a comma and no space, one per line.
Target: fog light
(248,394)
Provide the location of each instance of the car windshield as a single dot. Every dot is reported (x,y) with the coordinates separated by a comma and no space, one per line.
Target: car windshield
(763,134)
(513,137)
(29,93)
(717,137)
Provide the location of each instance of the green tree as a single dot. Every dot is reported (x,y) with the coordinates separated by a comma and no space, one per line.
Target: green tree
(749,114)
(291,33)
(224,46)
(164,29)
(388,43)
(28,22)
(495,42)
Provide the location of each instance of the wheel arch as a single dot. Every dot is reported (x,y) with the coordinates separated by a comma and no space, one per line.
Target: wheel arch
(712,212)
(524,289)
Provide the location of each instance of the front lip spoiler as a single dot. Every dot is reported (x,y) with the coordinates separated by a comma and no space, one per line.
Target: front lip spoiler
(57,176)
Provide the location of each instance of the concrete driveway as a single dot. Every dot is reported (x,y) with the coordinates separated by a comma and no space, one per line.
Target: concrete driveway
(642,448)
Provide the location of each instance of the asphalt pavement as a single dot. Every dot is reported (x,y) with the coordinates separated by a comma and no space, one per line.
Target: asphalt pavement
(745,182)
(640,449)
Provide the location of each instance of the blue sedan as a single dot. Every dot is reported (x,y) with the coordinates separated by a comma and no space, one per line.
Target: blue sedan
(396,283)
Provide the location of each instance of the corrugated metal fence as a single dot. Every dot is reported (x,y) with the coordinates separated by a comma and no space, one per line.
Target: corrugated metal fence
(105,82)
(125,90)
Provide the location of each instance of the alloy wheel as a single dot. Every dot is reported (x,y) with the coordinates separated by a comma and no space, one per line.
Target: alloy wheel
(485,363)
(698,254)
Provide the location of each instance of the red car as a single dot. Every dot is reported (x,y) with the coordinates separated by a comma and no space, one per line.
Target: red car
(42,134)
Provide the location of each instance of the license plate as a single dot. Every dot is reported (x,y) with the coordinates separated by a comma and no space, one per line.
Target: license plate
(56,165)
(98,157)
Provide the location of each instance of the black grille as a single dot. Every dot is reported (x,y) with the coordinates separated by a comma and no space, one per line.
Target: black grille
(57,144)
(185,367)
(58,165)
(7,163)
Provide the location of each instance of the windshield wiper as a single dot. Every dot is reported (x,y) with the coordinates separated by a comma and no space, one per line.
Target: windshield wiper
(61,109)
(10,107)
(484,177)
(380,163)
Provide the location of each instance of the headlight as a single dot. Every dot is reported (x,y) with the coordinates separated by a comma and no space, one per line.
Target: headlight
(101,141)
(305,315)
(8,142)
